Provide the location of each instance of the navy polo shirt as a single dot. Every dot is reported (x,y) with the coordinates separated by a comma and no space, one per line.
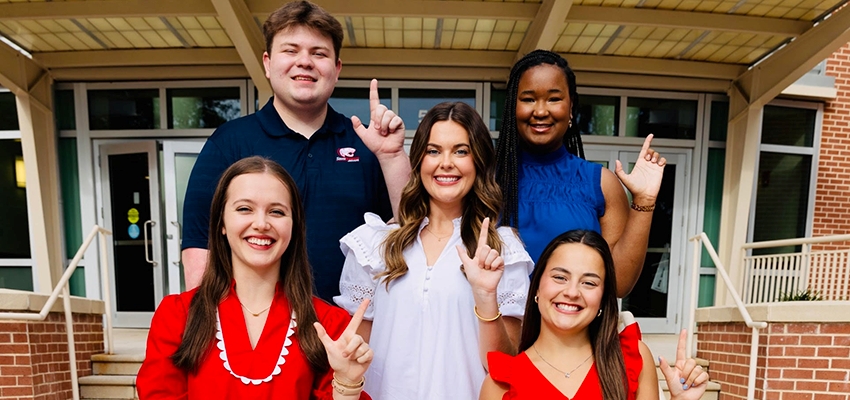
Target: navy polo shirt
(338,179)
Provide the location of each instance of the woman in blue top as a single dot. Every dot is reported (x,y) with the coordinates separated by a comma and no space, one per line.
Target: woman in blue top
(548,187)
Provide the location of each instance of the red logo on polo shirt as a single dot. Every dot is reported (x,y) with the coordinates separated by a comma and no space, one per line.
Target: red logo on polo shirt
(346,154)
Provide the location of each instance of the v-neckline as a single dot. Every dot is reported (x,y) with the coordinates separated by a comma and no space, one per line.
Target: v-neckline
(240,334)
(581,387)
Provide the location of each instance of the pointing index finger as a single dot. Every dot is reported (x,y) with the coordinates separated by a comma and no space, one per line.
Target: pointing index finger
(482,236)
(374,100)
(646,144)
(356,319)
(681,353)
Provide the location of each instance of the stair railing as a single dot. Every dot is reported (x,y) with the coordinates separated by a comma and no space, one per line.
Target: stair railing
(699,241)
(62,286)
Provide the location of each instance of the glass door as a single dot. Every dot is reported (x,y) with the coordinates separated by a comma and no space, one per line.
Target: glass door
(130,209)
(655,299)
(178,158)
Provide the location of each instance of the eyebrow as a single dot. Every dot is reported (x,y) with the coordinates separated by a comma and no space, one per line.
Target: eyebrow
(549,91)
(249,201)
(454,147)
(586,274)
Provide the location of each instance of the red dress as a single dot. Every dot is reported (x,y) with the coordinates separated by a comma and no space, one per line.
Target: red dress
(526,381)
(160,379)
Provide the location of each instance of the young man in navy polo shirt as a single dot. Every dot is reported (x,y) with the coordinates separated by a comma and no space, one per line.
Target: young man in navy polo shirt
(342,168)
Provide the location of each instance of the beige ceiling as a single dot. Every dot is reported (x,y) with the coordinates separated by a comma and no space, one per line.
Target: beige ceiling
(699,41)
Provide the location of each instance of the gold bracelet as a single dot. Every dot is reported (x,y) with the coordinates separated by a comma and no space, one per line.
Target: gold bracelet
(347,389)
(643,208)
(475,310)
(350,385)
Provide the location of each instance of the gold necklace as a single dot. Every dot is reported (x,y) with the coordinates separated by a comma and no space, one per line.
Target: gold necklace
(256,314)
(566,374)
(439,239)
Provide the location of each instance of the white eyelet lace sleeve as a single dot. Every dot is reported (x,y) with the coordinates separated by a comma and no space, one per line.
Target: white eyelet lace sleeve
(363,262)
(512,291)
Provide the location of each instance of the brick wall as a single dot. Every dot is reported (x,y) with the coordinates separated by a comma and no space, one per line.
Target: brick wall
(796,360)
(832,196)
(34,355)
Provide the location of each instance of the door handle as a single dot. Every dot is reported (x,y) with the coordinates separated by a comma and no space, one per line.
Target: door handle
(179,239)
(145,230)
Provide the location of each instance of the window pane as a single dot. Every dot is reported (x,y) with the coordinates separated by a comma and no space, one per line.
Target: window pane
(197,108)
(64,110)
(70,180)
(14,226)
(598,115)
(355,101)
(788,126)
(497,107)
(8,112)
(19,278)
(713,201)
(124,109)
(665,118)
(719,121)
(782,199)
(414,103)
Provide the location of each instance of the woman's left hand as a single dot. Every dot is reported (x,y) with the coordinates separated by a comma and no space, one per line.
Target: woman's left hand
(484,270)
(350,355)
(686,380)
(645,179)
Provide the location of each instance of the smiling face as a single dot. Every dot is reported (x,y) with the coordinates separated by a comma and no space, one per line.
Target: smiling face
(571,288)
(543,108)
(448,166)
(257,221)
(302,68)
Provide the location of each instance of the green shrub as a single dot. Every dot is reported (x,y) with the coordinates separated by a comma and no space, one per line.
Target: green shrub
(803,295)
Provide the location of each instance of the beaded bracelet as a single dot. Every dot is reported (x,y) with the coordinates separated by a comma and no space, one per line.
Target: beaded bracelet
(643,208)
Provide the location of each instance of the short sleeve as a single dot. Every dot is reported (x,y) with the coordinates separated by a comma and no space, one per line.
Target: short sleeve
(334,320)
(512,292)
(630,343)
(208,168)
(363,262)
(158,377)
(500,366)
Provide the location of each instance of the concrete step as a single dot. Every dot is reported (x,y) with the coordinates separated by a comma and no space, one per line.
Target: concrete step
(117,364)
(108,387)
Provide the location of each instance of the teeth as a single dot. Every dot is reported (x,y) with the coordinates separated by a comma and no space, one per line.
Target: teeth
(566,307)
(260,242)
(303,78)
(447,179)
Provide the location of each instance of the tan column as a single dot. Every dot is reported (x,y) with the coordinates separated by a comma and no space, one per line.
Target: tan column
(38,142)
(742,146)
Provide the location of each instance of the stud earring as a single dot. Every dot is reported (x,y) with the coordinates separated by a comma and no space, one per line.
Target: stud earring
(535,299)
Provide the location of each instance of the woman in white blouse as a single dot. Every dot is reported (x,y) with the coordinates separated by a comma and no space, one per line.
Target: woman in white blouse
(446,285)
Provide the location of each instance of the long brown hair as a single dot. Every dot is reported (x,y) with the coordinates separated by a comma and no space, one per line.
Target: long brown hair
(295,278)
(604,337)
(484,200)
(507,154)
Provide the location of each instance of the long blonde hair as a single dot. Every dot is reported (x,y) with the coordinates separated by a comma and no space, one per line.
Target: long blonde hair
(483,201)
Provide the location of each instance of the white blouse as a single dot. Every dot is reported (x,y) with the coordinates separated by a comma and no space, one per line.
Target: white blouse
(424,332)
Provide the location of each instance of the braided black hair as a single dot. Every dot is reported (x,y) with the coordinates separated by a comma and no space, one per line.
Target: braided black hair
(507,150)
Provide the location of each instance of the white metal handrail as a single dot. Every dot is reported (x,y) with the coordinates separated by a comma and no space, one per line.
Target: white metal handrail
(769,276)
(702,240)
(62,286)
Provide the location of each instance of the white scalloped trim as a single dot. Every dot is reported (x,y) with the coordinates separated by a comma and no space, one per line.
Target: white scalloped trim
(280,360)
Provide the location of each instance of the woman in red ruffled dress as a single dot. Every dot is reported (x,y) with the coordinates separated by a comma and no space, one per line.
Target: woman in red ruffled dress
(570,346)
(253,329)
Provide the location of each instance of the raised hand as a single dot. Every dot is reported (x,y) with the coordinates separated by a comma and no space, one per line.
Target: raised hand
(385,134)
(484,270)
(686,380)
(350,355)
(645,179)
